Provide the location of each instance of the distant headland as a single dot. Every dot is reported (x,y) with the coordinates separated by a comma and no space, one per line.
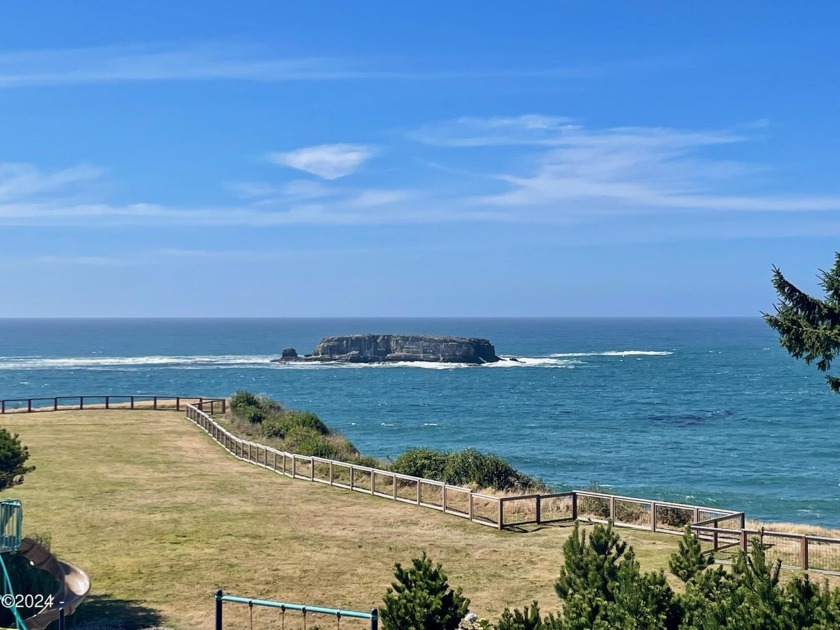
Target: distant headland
(396,348)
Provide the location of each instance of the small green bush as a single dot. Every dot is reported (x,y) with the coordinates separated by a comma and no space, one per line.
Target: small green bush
(243,398)
(422,462)
(486,471)
(469,466)
(421,599)
(254,409)
(252,414)
(273,427)
(304,419)
(307,441)
(13,456)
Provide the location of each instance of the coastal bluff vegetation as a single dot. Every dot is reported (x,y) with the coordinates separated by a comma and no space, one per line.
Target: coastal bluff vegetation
(397,348)
(304,433)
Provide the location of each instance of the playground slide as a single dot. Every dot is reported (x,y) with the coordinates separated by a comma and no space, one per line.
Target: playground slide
(75,583)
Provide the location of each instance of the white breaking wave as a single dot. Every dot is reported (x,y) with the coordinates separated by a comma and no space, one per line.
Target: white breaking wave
(75,363)
(616,353)
(249,361)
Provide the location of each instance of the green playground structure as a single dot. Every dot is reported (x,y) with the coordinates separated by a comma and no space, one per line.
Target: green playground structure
(74,584)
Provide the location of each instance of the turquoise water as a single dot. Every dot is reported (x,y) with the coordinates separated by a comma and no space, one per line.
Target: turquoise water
(707,411)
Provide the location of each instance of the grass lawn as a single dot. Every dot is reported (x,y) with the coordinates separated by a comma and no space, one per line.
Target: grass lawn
(160,517)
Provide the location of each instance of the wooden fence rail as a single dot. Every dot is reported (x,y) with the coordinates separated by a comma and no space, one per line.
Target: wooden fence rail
(722,528)
(494,511)
(131,401)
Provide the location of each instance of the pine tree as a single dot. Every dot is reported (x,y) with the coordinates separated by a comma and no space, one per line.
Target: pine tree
(527,619)
(689,559)
(13,456)
(421,599)
(808,327)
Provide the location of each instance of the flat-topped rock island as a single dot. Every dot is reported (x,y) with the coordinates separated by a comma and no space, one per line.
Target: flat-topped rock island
(396,348)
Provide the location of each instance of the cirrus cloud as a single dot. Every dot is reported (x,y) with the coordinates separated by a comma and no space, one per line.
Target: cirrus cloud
(327,161)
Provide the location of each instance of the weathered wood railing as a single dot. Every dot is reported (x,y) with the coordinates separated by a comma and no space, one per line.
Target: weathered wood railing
(130,401)
(495,511)
(796,551)
(722,528)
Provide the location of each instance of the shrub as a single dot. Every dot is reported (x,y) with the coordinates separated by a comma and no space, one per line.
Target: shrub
(273,427)
(307,441)
(241,399)
(303,419)
(486,471)
(421,599)
(252,413)
(422,462)
(469,466)
(13,456)
(254,409)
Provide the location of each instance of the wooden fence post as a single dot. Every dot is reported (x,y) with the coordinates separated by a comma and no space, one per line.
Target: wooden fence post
(501,513)
(538,509)
(394,477)
(311,469)
(372,482)
(804,552)
(744,540)
(471,508)
(332,476)
(612,509)
(653,516)
(418,492)
(352,476)
(294,466)
(443,497)
(574,506)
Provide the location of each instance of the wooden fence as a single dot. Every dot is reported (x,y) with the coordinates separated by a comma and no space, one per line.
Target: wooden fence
(722,529)
(495,511)
(796,551)
(136,401)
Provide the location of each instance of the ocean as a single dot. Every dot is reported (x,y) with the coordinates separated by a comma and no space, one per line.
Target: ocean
(704,411)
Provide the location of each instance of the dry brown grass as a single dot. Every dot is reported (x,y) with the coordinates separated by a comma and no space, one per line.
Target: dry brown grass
(160,517)
(794,528)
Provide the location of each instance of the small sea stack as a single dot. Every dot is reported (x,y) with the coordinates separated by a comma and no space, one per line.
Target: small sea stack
(396,348)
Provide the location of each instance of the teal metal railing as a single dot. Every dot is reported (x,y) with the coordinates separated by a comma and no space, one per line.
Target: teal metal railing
(221,598)
(11,523)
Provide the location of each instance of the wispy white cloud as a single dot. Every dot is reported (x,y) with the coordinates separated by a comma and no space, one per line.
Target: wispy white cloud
(159,63)
(579,171)
(24,181)
(553,171)
(230,61)
(328,161)
(557,131)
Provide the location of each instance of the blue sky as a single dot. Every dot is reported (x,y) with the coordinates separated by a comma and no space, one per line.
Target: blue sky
(436,159)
